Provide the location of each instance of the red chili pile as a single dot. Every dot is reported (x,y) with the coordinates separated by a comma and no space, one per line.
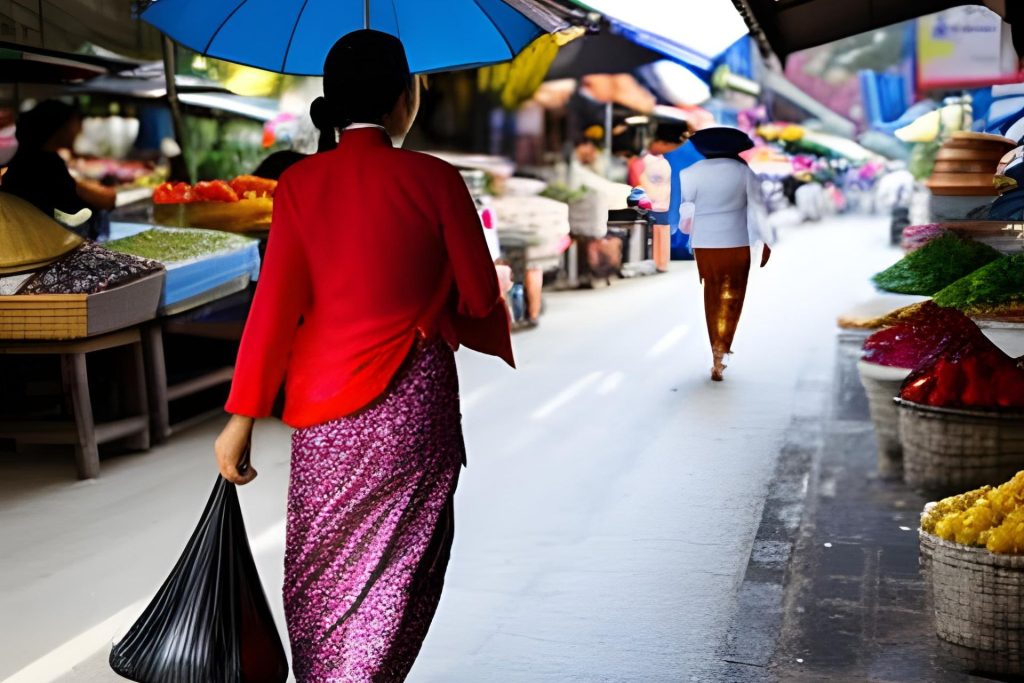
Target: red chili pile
(242,187)
(955,365)
(976,375)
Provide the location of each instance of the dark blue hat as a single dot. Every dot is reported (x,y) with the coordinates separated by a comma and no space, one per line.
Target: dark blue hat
(721,141)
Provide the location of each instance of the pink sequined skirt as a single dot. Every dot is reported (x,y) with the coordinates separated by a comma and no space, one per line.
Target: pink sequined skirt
(370,527)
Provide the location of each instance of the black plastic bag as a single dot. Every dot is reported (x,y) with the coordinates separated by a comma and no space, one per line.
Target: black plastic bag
(210,621)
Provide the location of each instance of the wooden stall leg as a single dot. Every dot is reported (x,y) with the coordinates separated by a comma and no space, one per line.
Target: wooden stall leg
(76,382)
(156,382)
(137,403)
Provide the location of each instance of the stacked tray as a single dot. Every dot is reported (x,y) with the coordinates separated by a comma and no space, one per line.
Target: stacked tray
(966,165)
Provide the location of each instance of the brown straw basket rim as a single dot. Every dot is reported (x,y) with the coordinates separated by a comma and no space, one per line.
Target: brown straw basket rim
(1007,414)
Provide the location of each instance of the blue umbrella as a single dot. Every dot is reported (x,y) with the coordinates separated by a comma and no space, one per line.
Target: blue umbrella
(294,36)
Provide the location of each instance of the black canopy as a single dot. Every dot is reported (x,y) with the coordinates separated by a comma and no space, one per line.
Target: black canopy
(600,53)
(791,25)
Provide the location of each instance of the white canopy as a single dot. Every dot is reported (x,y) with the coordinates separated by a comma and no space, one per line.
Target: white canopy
(705,27)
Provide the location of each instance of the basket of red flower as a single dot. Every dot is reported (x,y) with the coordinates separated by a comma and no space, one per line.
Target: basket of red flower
(888,358)
(962,419)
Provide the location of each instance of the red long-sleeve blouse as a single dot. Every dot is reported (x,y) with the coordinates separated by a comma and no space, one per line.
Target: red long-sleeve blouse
(371,248)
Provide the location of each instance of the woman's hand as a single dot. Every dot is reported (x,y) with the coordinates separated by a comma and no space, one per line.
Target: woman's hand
(766,254)
(231,448)
(97,196)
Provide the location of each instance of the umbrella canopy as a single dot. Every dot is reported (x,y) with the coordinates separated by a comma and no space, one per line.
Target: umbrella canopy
(721,140)
(294,36)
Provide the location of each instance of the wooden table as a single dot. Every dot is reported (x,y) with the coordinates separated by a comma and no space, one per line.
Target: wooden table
(161,393)
(82,431)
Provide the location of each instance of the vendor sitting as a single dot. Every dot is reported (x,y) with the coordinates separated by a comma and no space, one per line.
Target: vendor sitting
(38,173)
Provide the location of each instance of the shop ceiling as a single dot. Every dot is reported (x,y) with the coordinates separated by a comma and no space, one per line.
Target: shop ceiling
(786,26)
(68,25)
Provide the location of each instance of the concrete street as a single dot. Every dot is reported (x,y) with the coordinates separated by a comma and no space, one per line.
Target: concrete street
(603,525)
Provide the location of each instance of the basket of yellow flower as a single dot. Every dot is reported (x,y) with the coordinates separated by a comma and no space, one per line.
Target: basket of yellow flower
(972,556)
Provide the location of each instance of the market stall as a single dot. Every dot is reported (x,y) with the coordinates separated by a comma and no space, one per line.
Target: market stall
(204,302)
(66,298)
(944,378)
(531,229)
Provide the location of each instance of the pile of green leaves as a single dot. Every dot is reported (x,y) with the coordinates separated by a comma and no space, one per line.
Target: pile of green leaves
(170,245)
(936,265)
(997,287)
(562,193)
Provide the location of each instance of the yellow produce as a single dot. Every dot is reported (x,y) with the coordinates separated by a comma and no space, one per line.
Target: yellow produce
(517,80)
(951,506)
(988,517)
(1008,537)
(792,133)
(927,128)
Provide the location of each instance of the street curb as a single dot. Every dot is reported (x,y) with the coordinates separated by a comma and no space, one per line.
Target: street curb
(757,623)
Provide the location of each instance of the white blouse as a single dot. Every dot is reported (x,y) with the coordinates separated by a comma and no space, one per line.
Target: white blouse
(728,206)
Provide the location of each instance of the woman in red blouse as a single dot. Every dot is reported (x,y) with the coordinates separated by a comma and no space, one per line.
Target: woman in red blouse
(376,271)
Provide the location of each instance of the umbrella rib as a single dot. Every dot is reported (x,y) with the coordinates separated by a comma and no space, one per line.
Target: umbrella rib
(291,37)
(214,35)
(511,52)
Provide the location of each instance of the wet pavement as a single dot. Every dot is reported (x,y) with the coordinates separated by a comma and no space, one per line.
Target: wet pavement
(622,518)
(833,578)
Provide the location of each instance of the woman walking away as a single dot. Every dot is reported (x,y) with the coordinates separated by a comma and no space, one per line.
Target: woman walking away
(729,223)
(377,268)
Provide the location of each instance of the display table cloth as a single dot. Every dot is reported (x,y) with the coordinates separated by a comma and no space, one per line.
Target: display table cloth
(197,281)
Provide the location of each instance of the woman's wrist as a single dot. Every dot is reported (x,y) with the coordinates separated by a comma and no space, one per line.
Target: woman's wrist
(242,420)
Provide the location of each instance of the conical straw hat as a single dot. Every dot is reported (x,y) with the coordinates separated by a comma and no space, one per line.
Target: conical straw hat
(28,239)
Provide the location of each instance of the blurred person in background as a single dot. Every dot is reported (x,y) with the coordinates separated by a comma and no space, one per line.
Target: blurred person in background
(38,173)
(657,182)
(588,154)
(376,270)
(729,223)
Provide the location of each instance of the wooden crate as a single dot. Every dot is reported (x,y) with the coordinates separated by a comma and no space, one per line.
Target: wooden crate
(73,316)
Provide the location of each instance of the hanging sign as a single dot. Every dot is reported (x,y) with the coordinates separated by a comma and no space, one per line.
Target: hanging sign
(965,47)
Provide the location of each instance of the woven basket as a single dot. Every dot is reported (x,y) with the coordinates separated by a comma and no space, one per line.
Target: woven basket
(882,385)
(979,604)
(927,551)
(948,450)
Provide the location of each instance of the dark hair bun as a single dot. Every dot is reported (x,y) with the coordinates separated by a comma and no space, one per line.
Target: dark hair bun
(364,75)
(321,114)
